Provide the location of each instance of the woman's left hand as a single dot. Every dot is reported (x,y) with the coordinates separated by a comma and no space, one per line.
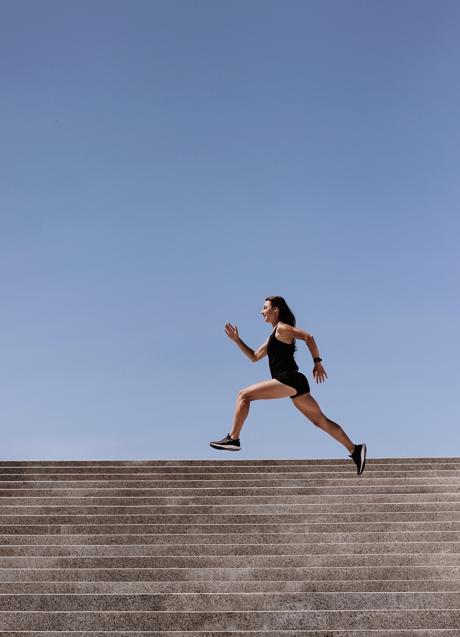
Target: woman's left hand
(319,373)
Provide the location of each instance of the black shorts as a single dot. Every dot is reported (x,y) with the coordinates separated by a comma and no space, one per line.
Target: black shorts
(296,380)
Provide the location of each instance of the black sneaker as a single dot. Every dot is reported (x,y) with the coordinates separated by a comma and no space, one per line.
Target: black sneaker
(226,443)
(359,457)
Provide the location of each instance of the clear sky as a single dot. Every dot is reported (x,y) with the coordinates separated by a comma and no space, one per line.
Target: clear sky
(167,165)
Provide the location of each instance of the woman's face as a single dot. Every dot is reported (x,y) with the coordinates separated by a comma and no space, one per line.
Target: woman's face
(268,312)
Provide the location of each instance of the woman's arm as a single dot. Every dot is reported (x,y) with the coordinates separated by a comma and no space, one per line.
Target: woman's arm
(246,350)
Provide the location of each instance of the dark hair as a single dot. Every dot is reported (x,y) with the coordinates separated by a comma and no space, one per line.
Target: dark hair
(285,313)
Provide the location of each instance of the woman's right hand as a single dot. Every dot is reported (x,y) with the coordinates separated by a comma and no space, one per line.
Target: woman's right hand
(232,332)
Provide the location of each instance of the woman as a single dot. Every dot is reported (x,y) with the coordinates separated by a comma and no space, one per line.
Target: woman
(286,378)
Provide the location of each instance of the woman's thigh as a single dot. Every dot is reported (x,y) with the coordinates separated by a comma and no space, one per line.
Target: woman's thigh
(267,389)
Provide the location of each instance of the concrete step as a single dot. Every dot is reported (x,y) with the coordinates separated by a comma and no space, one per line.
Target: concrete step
(434,632)
(235,620)
(231,495)
(248,484)
(361,487)
(229,529)
(218,602)
(229,474)
(222,562)
(287,548)
(225,529)
(229,586)
(233,510)
(204,500)
(370,537)
(412,572)
(222,462)
(224,519)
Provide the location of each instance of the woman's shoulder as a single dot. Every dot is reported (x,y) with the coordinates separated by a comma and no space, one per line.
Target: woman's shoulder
(282,329)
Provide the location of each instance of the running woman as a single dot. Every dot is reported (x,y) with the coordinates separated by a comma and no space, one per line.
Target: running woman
(286,378)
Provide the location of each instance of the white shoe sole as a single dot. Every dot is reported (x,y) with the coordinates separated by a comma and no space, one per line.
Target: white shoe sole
(225,447)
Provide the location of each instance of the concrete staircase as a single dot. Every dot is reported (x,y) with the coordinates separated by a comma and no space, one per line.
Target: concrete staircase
(231,547)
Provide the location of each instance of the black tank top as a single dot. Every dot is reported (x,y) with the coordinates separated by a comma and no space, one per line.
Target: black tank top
(280,357)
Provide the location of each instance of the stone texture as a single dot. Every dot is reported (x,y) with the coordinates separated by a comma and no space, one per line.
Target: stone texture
(230,547)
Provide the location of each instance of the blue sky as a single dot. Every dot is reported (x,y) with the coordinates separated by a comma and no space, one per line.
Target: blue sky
(166,165)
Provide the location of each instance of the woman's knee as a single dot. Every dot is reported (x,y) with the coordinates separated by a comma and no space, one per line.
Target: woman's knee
(243,396)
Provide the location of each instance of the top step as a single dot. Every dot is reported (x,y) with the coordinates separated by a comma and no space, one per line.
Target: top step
(338,462)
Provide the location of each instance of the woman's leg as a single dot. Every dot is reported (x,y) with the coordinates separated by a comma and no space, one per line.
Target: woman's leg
(263,390)
(310,408)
